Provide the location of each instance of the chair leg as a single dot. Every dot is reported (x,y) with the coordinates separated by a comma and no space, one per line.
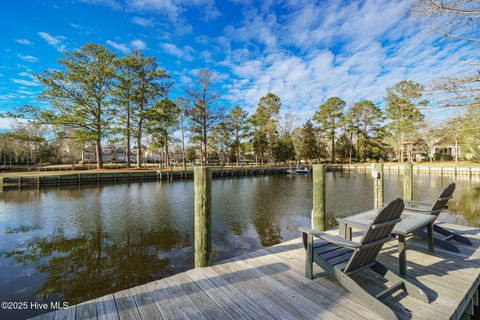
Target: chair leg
(456,237)
(438,242)
(409,287)
(308,242)
(402,255)
(376,305)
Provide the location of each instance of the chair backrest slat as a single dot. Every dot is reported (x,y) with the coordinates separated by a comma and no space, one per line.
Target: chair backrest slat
(442,200)
(376,235)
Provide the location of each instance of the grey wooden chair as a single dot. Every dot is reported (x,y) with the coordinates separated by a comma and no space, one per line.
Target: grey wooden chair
(340,258)
(438,206)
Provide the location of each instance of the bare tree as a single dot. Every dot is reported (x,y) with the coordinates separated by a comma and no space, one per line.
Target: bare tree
(457,19)
(452,18)
(203,112)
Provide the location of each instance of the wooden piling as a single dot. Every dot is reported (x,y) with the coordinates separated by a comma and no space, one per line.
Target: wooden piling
(378,185)
(408,182)
(203,215)
(319,203)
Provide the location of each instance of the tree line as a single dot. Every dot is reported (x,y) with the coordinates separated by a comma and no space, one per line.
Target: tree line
(96,98)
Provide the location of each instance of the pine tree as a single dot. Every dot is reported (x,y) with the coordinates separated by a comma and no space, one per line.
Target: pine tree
(403,100)
(329,115)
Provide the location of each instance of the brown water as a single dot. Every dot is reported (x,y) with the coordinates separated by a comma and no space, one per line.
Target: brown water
(74,244)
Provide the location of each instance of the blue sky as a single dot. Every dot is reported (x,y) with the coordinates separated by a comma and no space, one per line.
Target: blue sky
(304,51)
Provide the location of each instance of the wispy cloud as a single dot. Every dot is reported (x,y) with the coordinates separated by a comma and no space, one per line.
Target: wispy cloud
(138,44)
(184,53)
(305,53)
(27,58)
(144,22)
(28,83)
(106,3)
(135,44)
(24,41)
(174,8)
(54,41)
(119,46)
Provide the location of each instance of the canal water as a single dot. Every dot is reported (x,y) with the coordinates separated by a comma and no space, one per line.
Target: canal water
(75,244)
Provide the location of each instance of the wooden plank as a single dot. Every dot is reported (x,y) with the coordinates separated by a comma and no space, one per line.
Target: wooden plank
(106,308)
(252,288)
(221,299)
(284,296)
(145,304)
(245,303)
(203,301)
(86,310)
(65,314)
(126,307)
(324,285)
(172,301)
(46,316)
(308,288)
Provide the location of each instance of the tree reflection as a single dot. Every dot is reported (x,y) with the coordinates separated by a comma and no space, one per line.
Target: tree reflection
(266,219)
(468,205)
(92,264)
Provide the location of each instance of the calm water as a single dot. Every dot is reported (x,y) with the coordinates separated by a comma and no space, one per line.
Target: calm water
(74,244)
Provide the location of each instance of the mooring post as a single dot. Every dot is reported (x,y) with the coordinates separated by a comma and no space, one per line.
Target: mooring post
(318,212)
(378,185)
(203,215)
(408,182)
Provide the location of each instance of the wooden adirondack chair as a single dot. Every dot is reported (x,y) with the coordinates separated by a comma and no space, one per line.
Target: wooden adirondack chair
(438,206)
(341,258)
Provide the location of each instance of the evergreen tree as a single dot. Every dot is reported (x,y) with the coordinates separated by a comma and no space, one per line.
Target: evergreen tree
(237,118)
(366,119)
(266,119)
(329,116)
(403,100)
(80,93)
(163,120)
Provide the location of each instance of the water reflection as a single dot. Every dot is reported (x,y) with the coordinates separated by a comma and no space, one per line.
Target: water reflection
(74,244)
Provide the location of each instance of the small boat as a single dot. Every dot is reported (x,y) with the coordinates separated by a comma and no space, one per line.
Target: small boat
(298,171)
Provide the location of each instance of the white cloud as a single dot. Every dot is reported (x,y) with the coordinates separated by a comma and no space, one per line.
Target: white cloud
(174,8)
(24,41)
(7,123)
(144,22)
(28,83)
(119,46)
(106,3)
(135,44)
(55,42)
(27,58)
(173,50)
(138,44)
(310,54)
(51,40)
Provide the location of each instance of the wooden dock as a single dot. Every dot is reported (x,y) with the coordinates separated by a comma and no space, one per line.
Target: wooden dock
(270,284)
(57,179)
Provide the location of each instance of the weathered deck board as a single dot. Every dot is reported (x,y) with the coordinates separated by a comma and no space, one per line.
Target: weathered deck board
(269,284)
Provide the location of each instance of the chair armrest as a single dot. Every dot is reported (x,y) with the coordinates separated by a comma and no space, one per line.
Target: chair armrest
(331,238)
